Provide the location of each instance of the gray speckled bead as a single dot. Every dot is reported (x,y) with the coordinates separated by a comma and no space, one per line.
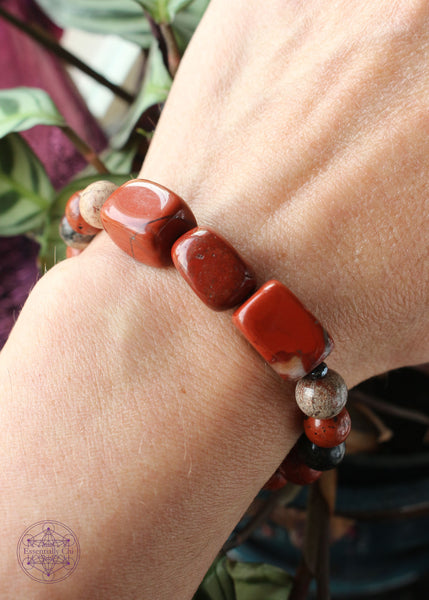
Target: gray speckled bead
(92,199)
(321,398)
(72,238)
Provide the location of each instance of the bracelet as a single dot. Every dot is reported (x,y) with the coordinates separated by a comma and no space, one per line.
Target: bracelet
(156,227)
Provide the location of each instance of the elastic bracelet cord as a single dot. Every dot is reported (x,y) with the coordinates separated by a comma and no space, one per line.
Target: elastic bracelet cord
(156,227)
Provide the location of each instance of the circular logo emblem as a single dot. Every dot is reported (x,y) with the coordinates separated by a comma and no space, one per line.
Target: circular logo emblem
(48,551)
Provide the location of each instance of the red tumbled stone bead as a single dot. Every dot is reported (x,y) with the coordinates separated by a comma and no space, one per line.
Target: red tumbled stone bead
(275,482)
(328,433)
(283,331)
(145,219)
(213,269)
(75,219)
(296,471)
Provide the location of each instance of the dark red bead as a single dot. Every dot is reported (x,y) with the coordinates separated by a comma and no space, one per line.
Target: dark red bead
(296,471)
(275,482)
(318,458)
(213,269)
(145,219)
(283,331)
(75,219)
(328,433)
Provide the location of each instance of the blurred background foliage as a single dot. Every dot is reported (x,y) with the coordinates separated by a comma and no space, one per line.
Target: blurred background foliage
(51,146)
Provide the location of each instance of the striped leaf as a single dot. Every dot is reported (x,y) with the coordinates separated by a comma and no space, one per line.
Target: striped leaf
(24,107)
(163,11)
(155,88)
(117,17)
(25,190)
(186,22)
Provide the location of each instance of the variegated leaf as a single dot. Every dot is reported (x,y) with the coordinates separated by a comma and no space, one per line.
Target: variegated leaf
(24,107)
(163,11)
(155,88)
(116,17)
(25,190)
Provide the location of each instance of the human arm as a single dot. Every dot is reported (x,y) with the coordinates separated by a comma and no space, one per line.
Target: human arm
(132,412)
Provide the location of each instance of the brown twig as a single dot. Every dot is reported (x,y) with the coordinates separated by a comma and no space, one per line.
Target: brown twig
(281,497)
(87,152)
(45,40)
(164,35)
(390,409)
(384,433)
(173,54)
(302,580)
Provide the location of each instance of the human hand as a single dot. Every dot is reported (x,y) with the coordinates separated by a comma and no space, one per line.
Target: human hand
(304,140)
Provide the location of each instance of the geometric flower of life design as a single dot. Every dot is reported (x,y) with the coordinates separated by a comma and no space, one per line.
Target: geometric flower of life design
(48,551)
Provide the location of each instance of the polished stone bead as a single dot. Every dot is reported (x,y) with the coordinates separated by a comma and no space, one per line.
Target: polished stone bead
(283,331)
(317,458)
(321,398)
(328,433)
(213,269)
(71,237)
(294,469)
(75,219)
(92,199)
(319,372)
(275,482)
(145,219)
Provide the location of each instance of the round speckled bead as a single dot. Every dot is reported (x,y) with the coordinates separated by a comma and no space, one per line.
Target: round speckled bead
(71,237)
(317,458)
(321,398)
(92,199)
(328,433)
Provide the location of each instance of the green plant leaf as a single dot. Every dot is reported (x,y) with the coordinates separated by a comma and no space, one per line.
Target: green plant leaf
(117,17)
(231,580)
(163,11)
(253,581)
(24,107)
(25,190)
(155,88)
(217,584)
(52,247)
(186,22)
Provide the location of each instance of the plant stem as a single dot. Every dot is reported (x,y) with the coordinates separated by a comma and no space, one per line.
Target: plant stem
(173,54)
(283,497)
(397,411)
(302,580)
(86,151)
(45,40)
(163,33)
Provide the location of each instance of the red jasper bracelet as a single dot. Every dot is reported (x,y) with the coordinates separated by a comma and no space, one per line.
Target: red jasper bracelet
(156,227)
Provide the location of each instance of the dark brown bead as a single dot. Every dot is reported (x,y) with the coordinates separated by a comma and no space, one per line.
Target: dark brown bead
(320,459)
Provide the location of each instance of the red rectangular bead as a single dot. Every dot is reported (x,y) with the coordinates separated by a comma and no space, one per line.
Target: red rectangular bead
(213,269)
(145,219)
(283,331)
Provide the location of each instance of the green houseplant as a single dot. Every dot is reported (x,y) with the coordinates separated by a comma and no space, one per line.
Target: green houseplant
(30,205)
